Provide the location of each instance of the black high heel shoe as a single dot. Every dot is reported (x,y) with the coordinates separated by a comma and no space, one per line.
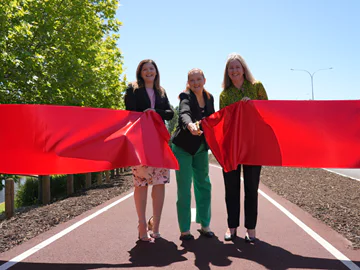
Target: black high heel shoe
(186,237)
(250,239)
(230,236)
(208,234)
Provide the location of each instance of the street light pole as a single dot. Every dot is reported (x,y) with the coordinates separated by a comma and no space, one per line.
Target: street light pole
(312,77)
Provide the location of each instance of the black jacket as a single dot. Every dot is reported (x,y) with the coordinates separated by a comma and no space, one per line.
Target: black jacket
(139,101)
(189,111)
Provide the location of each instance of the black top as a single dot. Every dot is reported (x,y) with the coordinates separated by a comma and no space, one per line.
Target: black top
(190,112)
(138,100)
(202,110)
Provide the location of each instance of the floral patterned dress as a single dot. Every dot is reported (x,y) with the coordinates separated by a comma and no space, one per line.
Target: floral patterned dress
(144,175)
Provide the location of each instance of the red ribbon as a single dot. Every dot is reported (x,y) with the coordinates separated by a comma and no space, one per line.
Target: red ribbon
(44,139)
(317,134)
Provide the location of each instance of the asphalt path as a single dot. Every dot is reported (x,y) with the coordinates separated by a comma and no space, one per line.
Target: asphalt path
(106,238)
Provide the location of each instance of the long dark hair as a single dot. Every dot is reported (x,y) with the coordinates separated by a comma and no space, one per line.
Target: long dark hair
(140,81)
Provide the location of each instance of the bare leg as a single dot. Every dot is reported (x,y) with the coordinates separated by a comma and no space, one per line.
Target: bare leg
(140,197)
(158,196)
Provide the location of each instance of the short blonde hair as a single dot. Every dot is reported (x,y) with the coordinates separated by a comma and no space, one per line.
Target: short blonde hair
(248,75)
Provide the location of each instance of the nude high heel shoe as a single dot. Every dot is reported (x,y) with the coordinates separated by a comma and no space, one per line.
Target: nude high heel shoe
(144,237)
(150,224)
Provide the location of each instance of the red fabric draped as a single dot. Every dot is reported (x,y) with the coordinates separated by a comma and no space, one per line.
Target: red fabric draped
(316,134)
(43,139)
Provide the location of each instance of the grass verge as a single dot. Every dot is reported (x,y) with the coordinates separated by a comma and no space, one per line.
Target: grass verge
(2,207)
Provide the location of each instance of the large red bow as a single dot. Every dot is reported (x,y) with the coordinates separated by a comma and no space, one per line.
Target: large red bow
(44,139)
(317,134)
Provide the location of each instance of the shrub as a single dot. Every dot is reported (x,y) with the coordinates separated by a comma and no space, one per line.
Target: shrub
(28,193)
(57,187)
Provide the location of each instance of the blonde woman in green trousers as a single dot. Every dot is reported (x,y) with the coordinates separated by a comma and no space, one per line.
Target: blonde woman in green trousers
(191,150)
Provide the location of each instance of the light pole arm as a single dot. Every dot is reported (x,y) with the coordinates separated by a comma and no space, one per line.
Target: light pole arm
(305,71)
(311,76)
(312,81)
(321,69)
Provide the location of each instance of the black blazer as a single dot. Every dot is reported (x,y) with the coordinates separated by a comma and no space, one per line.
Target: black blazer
(190,112)
(138,100)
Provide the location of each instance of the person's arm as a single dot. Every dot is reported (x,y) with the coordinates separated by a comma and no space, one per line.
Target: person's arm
(130,98)
(261,93)
(212,109)
(222,100)
(185,116)
(184,111)
(168,113)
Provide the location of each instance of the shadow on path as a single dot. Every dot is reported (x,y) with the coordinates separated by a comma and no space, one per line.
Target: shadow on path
(214,252)
(207,252)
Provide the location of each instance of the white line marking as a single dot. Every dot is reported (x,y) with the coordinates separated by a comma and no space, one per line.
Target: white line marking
(341,174)
(336,253)
(57,236)
(216,166)
(193,214)
(329,170)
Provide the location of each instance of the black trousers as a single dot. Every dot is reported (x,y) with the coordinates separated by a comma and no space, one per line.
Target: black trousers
(232,195)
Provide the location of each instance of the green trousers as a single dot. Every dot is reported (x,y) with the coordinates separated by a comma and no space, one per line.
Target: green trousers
(193,167)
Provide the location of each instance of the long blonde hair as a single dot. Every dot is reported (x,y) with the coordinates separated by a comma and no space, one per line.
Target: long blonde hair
(248,75)
(192,71)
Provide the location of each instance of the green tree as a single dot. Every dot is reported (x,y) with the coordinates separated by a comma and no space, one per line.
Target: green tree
(60,52)
(3,177)
(171,125)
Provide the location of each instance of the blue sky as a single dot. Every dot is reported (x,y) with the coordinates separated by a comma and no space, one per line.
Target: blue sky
(272,35)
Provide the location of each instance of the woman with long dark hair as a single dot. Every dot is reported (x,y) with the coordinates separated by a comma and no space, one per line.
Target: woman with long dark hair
(142,95)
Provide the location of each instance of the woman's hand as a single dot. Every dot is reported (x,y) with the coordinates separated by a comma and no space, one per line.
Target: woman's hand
(149,109)
(199,131)
(192,127)
(246,99)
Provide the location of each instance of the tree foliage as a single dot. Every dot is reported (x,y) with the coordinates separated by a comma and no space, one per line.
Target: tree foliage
(171,125)
(60,52)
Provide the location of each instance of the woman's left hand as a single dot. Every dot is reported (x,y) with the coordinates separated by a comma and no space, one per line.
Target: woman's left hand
(149,109)
(245,99)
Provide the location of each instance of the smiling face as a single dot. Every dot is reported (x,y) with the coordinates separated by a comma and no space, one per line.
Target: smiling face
(148,73)
(235,70)
(196,81)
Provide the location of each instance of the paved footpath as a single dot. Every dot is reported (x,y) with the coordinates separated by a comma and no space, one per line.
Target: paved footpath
(106,238)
